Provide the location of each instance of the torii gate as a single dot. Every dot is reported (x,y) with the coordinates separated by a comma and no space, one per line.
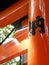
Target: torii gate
(37,45)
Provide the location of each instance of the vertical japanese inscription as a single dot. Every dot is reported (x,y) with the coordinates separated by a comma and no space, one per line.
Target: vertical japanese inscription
(39,22)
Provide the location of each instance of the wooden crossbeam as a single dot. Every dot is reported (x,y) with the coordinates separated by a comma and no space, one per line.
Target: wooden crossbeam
(14,12)
(12,49)
(22,34)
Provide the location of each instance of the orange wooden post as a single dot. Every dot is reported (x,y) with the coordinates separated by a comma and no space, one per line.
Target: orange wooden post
(37,51)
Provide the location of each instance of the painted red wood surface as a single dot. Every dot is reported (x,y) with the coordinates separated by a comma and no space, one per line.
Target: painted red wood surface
(37,46)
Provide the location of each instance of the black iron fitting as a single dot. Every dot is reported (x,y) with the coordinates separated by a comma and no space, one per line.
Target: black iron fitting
(39,22)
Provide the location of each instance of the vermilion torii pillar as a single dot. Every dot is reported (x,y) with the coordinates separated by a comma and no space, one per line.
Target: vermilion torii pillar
(38,47)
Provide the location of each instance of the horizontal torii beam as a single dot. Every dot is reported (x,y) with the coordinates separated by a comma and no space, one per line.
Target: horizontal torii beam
(14,48)
(14,13)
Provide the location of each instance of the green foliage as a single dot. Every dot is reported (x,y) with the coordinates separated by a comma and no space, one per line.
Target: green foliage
(5,31)
(12,62)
